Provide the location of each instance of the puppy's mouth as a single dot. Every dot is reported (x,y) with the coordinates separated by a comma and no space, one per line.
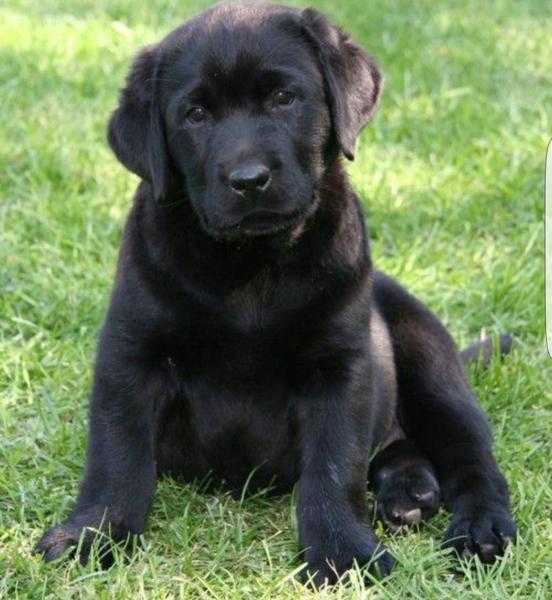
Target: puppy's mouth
(266,221)
(262,222)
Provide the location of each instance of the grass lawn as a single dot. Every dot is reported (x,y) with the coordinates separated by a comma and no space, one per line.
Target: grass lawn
(451,175)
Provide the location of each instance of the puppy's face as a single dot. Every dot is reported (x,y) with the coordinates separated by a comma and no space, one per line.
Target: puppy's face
(242,108)
(247,124)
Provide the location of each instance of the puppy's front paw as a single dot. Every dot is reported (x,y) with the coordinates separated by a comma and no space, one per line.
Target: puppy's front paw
(326,568)
(77,534)
(57,540)
(485,533)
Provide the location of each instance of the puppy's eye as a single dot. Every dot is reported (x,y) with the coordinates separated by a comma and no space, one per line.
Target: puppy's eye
(283,98)
(196,114)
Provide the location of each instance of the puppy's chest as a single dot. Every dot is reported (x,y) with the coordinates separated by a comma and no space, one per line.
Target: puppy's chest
(266,301)
(253,305)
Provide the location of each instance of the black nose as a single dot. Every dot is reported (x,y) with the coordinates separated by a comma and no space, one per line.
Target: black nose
(250,177)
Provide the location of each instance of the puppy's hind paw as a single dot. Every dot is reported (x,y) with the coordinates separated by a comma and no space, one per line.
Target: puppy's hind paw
(408,497)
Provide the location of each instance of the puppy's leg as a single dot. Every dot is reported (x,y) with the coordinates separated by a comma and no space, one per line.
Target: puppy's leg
(334,529)
(405,484)
(439,412)
(119,480)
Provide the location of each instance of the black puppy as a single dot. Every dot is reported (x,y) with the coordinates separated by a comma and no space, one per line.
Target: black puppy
(247,329)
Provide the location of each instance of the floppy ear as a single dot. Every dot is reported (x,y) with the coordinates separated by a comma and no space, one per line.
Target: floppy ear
(353,81)
(135,131)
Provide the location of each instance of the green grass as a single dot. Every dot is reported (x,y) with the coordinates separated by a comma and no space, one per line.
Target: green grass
(451,174)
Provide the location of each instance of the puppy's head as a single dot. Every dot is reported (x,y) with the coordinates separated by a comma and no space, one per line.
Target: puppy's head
(243,108)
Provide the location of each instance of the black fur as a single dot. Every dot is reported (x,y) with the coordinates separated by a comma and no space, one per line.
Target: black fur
(247,329)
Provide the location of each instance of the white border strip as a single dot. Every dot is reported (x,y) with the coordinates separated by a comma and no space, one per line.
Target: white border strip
(548,246)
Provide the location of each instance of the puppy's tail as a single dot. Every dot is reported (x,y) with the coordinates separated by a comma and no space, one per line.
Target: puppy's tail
(482,352)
